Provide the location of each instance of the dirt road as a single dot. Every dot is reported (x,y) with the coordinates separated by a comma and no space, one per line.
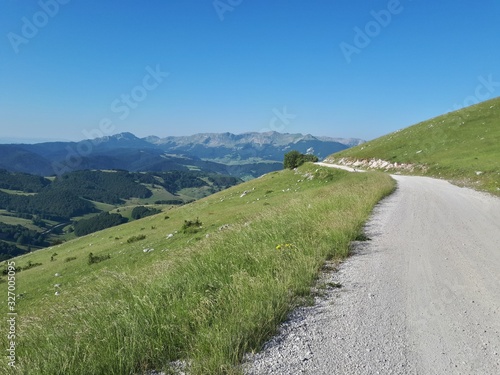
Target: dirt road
(422,297)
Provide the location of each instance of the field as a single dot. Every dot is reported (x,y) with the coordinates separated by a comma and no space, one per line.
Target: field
(8,218)
(200,284)
(460,146)
(16,192)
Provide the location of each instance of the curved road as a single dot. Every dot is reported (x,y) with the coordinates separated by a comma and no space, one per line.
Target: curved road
(422,297)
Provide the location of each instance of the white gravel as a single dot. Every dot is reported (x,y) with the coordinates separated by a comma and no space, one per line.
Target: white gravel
(422,297)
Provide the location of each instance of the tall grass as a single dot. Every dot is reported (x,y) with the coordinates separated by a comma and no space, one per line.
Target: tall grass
(223,296)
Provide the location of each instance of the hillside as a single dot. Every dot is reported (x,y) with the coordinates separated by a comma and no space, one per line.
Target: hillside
(244,156)
(461,146)
(196,286)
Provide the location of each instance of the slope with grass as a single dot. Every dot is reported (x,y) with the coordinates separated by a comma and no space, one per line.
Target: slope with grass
(461,146)
(148,294)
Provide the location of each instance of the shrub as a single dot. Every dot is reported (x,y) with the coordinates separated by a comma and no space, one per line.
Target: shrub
(136,238)
(191,227)
(97,258)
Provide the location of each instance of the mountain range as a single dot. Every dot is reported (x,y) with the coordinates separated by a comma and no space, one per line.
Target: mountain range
(246,156)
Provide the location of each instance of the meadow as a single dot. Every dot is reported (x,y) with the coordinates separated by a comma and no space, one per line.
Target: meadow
(195,286)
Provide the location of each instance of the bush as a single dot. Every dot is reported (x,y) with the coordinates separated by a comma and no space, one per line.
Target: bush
(136,238)
(97,258)
(191,227)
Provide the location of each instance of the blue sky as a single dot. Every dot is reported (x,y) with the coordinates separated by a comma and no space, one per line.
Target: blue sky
(341,68)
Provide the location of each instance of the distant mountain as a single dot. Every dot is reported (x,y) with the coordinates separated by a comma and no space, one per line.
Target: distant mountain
(230,149)
(229,140)
(245,155)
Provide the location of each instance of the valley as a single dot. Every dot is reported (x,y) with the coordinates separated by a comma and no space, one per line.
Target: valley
(37,212)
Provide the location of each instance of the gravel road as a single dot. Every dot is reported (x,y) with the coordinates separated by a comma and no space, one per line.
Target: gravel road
(421,297)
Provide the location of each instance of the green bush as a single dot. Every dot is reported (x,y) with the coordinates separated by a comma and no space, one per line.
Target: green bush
(191,227)
(97,258)
(136,238)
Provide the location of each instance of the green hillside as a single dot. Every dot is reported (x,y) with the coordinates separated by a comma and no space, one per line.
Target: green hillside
(462,146)
(202,283)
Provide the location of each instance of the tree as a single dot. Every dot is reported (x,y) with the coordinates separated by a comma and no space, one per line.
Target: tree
(140,211)
(99,222)
(294,159)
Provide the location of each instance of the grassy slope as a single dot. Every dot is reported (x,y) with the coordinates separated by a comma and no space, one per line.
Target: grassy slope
(454,146)
(206,297)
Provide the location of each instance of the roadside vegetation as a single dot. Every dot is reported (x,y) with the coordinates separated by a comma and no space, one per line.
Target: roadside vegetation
(201,284)
(461,146)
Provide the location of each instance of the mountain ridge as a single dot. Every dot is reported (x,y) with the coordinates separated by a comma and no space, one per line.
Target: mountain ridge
(253,153)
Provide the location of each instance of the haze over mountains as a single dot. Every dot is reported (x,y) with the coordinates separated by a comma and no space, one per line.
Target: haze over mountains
(245,155)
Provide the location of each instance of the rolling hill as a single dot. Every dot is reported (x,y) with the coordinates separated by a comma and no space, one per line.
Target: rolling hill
(461,146)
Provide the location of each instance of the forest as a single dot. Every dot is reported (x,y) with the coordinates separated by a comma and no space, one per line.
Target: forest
(22,181)
(102,221)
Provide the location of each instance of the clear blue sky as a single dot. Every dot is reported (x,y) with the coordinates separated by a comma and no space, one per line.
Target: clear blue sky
(67,67)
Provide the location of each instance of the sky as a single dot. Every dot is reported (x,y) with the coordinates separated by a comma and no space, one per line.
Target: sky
(75,69)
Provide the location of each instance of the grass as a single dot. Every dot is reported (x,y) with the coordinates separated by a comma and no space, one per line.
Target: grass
(203,298)
(16,192)
(460,146)
(8,218)
(159,193)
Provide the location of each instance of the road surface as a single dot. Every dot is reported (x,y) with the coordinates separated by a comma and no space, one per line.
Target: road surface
(421,297)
